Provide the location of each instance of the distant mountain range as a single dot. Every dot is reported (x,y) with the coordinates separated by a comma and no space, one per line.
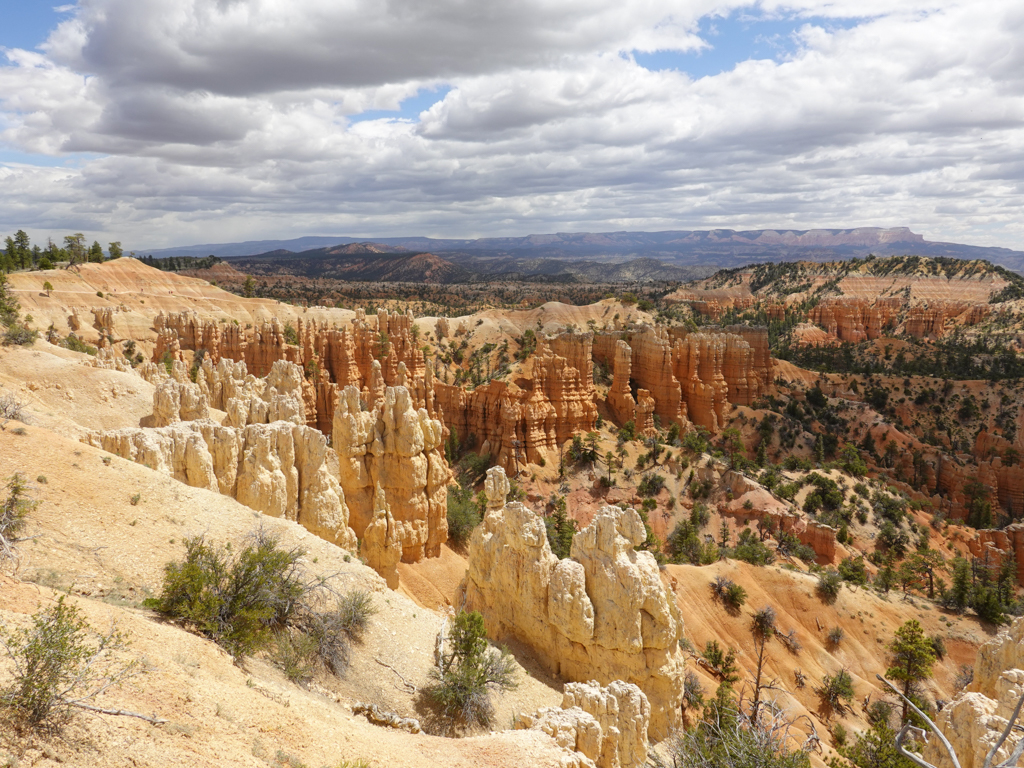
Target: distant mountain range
(575,257)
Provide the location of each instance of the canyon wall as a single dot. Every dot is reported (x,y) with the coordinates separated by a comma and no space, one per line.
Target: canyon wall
(603,613)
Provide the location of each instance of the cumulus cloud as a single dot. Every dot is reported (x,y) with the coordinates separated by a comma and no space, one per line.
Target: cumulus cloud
(238,119)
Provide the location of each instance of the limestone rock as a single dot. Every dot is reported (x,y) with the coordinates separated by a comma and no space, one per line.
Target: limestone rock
(174,401)
(602,613)
(382,546)
(279,469)
(974,720)
(400,450)
(608,726)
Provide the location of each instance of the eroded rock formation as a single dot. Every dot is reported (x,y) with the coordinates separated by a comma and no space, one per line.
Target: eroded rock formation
(529,418)
(974,720)
(601,613)
(175,401)
(382,546)
(855,320)
(608,726)
(691,377)
(279,469)
(398,450)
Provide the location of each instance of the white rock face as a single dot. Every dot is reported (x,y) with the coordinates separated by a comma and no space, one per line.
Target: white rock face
(975,719)
(607,726)
(602,613)
(175,401)
(280,469)
(398,449)
(382,546)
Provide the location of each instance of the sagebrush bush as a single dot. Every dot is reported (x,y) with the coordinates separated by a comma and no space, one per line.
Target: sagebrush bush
(829,584)
(468,669)
(263,598)
(19,334)
(59,665)
(332,629)
(234,600)
(834,637)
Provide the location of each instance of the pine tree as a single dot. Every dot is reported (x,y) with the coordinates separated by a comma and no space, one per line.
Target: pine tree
(912,656)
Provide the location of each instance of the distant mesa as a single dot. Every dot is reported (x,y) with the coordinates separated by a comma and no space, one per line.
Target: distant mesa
(593,257)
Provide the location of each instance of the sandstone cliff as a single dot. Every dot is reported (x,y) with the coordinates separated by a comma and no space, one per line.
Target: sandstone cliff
(602,613)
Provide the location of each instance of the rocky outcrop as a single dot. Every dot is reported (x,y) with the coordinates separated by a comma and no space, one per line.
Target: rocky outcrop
(764,506)
(175,401)
(975,719)
(382,546)
(608,726)
(528,419)
(620,399)
(279,469)
(601,613)
(855,320)
(691,377)
(398,450)
(327,356)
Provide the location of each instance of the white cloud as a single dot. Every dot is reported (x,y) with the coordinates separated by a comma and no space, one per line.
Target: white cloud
(219,121)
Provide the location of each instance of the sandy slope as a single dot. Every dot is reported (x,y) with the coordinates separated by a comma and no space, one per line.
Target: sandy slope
(88,537)
(867,619)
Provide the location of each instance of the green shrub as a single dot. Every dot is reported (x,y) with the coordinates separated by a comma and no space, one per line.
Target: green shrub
(261,595)
(560,529)
(751,550)
(330,628)
(836,693)
(722,661)
(463,515)
(291,336)
(235,600)
(651,485)
(59,665)
(75,344)
(853,571)
(13,514)
(735,596)
(18,334)
(839,734)
(834,637)
(829,584)
(468,669)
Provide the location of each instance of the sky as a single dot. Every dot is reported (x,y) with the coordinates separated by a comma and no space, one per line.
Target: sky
(168,122)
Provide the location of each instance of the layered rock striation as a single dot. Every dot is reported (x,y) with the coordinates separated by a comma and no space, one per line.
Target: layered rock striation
(527,419)
(603,613)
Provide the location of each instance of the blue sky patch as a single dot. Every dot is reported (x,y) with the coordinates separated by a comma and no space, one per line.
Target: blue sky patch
(27,23)
(735,38)
(409,109)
